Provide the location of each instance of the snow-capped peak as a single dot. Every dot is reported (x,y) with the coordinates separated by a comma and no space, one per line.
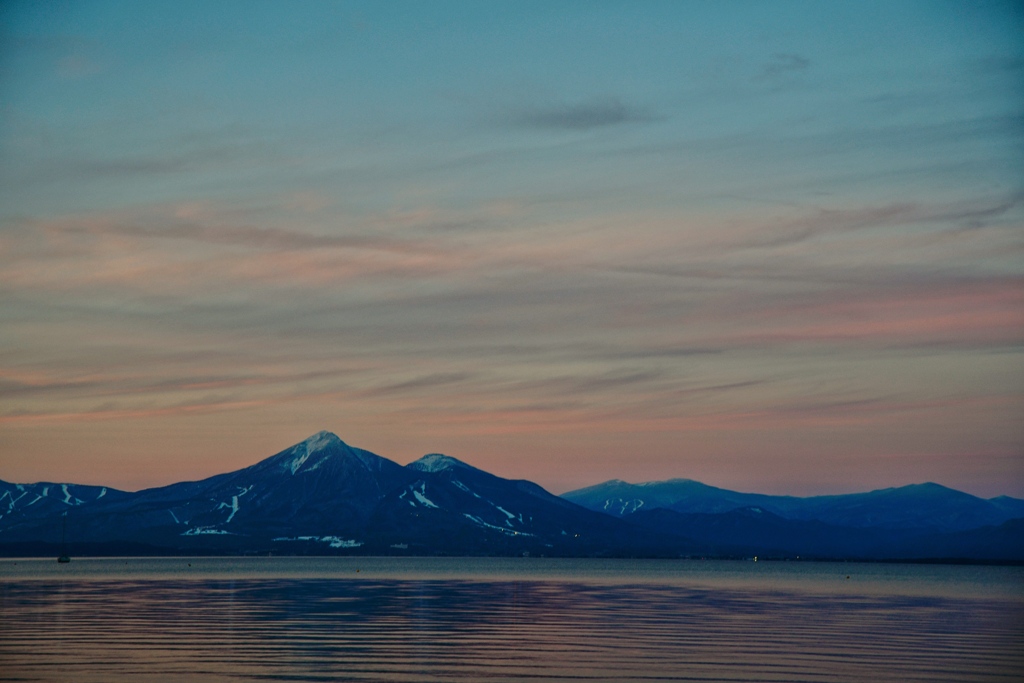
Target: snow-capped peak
(437,462)
(320,441)
(311,446)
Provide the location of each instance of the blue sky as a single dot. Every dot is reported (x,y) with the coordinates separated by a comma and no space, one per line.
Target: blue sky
(772,246)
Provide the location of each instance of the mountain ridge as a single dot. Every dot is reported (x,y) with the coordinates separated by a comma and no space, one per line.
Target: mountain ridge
(927,505)
(323,496)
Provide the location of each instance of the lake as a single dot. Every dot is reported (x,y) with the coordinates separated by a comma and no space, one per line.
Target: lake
(492,619)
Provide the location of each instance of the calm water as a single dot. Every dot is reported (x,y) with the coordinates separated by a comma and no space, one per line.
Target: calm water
(418,619)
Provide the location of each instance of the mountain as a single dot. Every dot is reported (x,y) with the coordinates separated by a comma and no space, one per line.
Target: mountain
(620,498)
(453,505)
(48,500)
(1011,506)
(753,531)
(917,506)
(321,487)
(923,507)
(323,496)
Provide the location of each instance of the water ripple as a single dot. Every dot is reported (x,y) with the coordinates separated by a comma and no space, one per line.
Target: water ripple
(345,629)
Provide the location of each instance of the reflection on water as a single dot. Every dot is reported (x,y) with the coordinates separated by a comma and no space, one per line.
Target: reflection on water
(343,627)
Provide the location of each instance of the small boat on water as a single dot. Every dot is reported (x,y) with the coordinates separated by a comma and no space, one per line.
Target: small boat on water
(64,558)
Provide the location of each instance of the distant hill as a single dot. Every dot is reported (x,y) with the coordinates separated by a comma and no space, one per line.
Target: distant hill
(756,532)
(322,496)
(922,507)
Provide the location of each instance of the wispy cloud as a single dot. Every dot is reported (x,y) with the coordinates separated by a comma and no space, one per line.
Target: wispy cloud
(636,249)
(783,64)
(424,384)
(581,116)
(111,413)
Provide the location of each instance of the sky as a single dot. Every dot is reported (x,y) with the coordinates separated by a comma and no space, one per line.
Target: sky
(770,246)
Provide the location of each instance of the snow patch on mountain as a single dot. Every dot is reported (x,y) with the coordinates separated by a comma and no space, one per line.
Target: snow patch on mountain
(13,500)
(298,460)
(338,542)
(624,506)
(438,462)
(465,488)
(205,530)
(70,499)
(315,466)
(333,541)
(479,522)
(421,496)
(234,509)
(318,442)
